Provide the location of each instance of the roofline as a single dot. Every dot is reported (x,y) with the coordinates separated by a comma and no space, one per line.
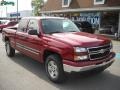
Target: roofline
(85,10)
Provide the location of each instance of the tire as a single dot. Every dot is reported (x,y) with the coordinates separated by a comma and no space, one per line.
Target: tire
(54,68)
(9,50)
(0,30)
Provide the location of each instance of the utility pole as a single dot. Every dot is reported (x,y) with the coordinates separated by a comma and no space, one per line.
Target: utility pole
(1,13)
(17,10)
(6,11)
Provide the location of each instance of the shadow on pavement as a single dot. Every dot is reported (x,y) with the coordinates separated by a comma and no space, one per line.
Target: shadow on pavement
(103,81)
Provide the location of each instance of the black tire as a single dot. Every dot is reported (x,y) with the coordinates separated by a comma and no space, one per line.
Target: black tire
(9,50)
(0,30)
(56,68)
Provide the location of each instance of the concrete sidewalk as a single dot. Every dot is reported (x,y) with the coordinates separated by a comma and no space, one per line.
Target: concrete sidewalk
(116,46)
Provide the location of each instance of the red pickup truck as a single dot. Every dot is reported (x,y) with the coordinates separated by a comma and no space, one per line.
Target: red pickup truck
(59,44)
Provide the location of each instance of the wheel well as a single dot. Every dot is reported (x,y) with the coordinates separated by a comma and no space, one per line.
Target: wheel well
(48,52)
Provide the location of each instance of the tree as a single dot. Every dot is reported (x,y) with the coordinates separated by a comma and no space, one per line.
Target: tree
(37,5)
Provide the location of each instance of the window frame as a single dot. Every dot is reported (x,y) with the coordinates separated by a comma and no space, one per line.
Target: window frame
(67,5)
(99,2)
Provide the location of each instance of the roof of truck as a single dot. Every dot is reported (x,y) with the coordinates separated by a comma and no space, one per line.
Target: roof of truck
(43,17)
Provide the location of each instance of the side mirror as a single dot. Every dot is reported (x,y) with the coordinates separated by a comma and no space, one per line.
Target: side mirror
(33,32)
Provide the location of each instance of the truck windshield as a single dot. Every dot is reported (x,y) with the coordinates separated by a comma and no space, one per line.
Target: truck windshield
(58,26)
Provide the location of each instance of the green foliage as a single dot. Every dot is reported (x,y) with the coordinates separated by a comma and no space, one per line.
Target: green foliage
(37,5)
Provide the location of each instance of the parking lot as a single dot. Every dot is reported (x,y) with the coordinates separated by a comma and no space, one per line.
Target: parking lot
(23,73)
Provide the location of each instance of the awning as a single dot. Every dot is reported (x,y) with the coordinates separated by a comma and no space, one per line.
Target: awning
(84,10)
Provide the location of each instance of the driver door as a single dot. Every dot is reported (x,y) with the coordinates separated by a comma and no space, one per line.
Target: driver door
(34,42)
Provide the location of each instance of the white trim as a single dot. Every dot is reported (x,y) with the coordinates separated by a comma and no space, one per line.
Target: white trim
(28,48)
(84,9)
(100,2)
(68,3)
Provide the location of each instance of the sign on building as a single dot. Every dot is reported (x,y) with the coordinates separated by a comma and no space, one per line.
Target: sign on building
(14,14)
(93,18)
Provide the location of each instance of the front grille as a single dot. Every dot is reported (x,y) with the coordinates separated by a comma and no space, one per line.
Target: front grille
(99,52)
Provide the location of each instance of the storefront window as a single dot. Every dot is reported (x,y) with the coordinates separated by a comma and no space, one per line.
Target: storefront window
(109,23)
(93,18)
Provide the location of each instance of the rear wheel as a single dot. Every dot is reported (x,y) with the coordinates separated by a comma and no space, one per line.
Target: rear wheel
(9,50)
(54,68)
(1,30)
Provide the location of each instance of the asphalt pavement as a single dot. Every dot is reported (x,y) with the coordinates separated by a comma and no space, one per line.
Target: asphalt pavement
(23,73)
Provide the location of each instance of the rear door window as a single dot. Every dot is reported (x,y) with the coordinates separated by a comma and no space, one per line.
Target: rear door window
(22,27)
(33,25)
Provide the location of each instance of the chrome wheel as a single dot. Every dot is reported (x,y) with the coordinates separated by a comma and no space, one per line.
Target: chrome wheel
(52,69)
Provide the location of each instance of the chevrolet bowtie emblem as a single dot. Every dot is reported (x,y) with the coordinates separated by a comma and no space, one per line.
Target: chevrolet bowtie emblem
(101,51)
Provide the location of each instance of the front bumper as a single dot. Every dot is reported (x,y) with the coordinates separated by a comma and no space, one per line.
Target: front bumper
(105,63)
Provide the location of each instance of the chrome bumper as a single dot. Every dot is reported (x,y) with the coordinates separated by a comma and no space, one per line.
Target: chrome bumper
(68,68)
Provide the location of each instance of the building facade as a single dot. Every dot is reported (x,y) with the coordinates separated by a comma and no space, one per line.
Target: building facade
(99,13)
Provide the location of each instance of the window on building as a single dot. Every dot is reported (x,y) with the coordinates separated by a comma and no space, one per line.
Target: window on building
(96,2)
(66,3)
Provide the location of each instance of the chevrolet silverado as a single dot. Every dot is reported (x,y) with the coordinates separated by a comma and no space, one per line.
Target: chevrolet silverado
(59,45)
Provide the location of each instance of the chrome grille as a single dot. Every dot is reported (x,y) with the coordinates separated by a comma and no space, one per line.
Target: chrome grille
(99,52)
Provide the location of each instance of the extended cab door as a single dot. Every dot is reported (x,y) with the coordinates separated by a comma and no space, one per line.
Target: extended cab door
(22,36)
(34,42)
(30,44)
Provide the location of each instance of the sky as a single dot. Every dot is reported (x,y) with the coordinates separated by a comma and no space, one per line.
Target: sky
(22,5)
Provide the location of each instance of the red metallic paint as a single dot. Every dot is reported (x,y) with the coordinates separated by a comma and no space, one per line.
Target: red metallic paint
(61,43)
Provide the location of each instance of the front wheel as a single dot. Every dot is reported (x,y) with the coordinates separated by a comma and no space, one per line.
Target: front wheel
(54,68)
(9,50)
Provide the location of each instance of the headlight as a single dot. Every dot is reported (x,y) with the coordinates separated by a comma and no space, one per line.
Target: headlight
(80,54)
(78,49)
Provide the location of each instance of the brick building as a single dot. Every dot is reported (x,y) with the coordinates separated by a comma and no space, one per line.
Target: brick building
(98,12)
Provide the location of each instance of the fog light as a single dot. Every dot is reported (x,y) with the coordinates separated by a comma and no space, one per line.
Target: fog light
(78,58)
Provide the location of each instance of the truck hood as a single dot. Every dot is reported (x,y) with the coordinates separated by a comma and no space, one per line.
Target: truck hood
(81,39)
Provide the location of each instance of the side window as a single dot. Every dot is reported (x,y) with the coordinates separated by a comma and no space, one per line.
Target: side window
(23,25)
(33,25)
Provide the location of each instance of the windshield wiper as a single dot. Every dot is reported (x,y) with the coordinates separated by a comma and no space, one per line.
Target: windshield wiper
(72,31)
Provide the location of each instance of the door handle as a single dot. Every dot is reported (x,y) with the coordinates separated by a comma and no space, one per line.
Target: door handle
(23,37)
